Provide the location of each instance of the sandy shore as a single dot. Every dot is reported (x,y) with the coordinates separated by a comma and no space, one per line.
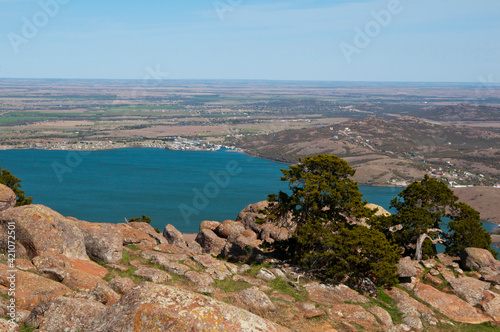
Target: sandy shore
(189,236)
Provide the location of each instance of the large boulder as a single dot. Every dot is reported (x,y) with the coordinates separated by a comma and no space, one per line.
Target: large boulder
(210,242)
(151,307)
(253,218)
(408,268)
(491,305)
(228,228)
(353,313)
(103,242)
(57,266)
(121,285)
(173,236)
(256,300)
(208,224)
(469,289)
(251,213)
(8,326)
(271,233)
(153,275)
(240,247)
(77,275)
(201,279)
(215,268)
(333,294)
(40,230)
(380,211)
(450,305)
(149,230)
(476,258)
(170,262)
(31,289)
(8,198)
(67,315)
(382,315)
(407,304)
(136,237)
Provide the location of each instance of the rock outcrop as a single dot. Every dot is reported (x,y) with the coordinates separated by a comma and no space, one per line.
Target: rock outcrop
(256,300)
(408,268)
(251,213)
(470,289)
(210,242)
(31,289)
(229,227)
(8,198)
(353,313)
(67,314)
(380,211)
(41,230)
(150,307)
(65,291)
(476,259)
(149,230)
(330,294)
(103,242)
(450,305)
(173,236)
(135,237)
(121,285)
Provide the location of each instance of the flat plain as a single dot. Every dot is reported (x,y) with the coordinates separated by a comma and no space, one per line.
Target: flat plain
(392,133)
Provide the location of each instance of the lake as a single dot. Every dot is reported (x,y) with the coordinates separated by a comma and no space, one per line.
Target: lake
(181,188)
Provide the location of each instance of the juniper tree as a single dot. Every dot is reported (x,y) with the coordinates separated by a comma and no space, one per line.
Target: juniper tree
(422,211)
(327,209)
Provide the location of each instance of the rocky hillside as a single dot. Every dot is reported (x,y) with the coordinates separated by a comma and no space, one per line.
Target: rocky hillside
(73,275)
(381,150)
(460,112)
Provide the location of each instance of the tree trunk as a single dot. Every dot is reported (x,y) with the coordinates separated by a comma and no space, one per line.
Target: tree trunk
(418,251)
(421,239)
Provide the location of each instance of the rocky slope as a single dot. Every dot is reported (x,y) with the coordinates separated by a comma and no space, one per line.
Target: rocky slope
(72,275)
(381,150)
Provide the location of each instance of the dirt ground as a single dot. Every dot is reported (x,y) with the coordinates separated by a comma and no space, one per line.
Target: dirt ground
(486,200)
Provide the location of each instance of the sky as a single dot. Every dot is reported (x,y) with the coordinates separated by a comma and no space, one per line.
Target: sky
(335,40)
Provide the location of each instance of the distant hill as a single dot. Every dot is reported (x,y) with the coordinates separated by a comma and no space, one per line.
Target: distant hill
(395,147)
(460,112)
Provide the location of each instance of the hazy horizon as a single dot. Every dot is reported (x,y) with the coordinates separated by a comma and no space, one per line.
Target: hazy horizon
(313,40)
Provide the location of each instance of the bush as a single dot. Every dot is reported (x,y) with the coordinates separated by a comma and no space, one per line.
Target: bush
(9,180)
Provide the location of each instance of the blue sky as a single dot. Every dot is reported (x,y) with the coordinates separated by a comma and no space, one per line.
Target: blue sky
(336,40)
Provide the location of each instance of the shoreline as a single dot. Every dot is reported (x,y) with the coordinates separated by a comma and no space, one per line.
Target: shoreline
(5,148)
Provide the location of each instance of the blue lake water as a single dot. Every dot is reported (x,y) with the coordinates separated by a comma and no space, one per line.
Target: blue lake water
(172,187)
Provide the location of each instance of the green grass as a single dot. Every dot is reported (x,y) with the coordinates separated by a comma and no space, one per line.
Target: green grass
(382,296)
(5,120)
(459,327)
(285,288)
(25,328)
(388,304)
(124,274)
(255,268)
(230,286)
